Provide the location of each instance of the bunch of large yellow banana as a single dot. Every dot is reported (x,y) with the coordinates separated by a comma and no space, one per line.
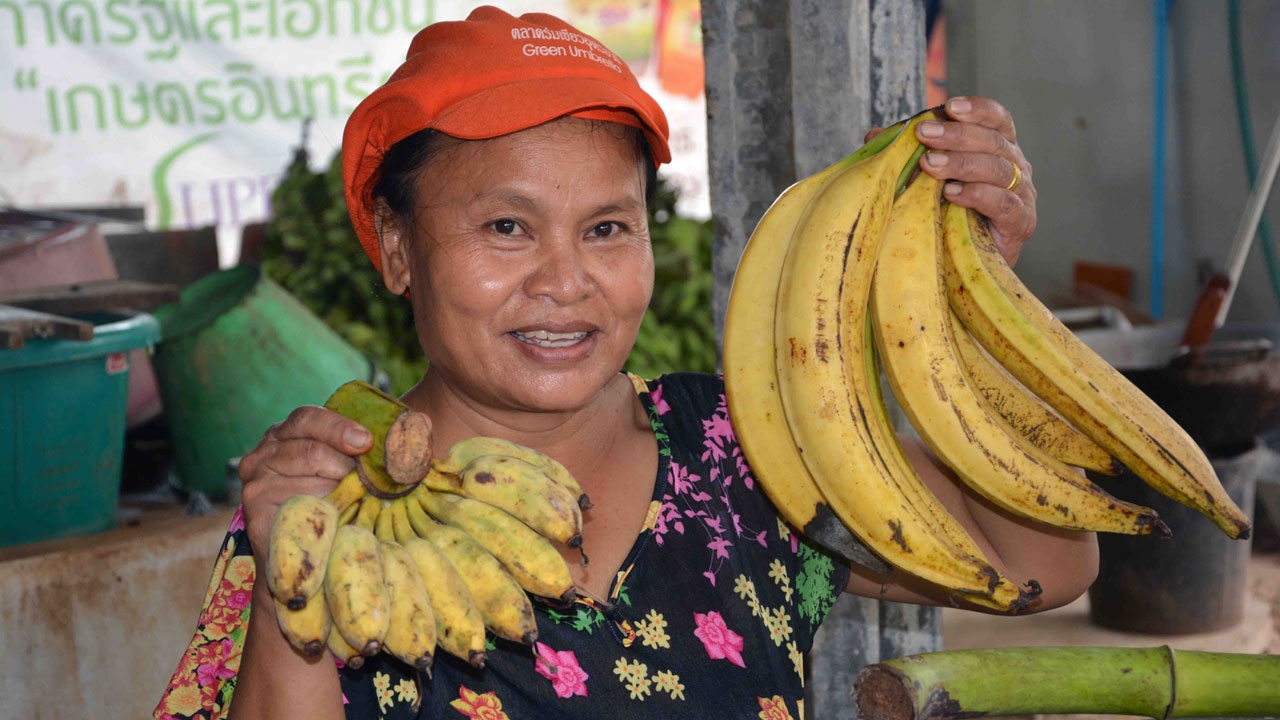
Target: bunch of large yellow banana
(864,266)
(381,566)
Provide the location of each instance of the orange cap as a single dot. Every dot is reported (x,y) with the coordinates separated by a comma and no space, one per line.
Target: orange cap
(490,75)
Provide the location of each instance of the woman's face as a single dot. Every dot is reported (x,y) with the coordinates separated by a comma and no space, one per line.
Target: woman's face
(530,264)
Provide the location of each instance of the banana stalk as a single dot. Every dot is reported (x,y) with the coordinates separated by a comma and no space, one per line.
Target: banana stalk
(1156,682)
(401,452)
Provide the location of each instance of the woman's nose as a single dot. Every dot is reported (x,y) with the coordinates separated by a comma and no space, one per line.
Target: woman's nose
(561,273)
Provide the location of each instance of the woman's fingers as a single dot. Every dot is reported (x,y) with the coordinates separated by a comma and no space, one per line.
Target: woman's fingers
(977,153)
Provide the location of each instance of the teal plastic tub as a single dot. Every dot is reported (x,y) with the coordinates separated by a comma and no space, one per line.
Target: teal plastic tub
(62,426)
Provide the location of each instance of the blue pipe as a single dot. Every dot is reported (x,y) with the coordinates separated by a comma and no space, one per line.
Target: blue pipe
(1159,80)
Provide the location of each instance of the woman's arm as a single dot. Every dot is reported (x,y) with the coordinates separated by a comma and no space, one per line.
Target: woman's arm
(1063,562)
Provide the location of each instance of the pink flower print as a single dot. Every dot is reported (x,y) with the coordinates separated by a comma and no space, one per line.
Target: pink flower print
(562,669)
(212,662)
(237,521)
(660,406)
(721,642)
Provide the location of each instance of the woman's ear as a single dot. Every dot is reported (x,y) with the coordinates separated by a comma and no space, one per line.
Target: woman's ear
(393,246)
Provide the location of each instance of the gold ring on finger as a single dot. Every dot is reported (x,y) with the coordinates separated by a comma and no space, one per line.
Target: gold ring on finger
(1017,178)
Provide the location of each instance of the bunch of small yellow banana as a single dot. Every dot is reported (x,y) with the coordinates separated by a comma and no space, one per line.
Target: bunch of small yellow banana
(381,566)
(863,266)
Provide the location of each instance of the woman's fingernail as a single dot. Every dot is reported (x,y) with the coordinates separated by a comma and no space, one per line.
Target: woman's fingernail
(951,189)
(959,105)
(356,437)
(936,159)
(930,129)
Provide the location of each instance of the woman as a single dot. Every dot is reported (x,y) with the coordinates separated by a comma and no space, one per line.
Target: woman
(501,177)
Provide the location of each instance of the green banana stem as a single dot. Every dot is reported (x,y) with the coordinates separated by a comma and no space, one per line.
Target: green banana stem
(1156,682)
(401,451)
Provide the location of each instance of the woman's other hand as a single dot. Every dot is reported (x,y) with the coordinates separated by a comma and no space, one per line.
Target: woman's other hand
(309,452)
(976,152)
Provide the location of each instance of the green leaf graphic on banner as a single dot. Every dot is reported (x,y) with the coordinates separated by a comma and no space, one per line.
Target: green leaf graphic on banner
(159,184)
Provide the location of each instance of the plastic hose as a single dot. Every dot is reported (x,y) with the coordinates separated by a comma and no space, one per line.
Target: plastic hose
(1246,138)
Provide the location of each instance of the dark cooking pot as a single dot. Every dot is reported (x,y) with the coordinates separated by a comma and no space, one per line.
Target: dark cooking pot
(1224,398)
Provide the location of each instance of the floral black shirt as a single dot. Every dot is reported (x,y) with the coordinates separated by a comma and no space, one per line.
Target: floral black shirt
(712,612)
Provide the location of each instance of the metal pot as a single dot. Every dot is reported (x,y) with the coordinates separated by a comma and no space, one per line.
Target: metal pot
(1224,398)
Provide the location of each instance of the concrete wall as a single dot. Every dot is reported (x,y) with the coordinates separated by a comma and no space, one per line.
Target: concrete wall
(95,626)
(1077,75)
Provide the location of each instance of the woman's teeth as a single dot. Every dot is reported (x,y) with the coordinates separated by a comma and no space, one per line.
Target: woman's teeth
(542,338)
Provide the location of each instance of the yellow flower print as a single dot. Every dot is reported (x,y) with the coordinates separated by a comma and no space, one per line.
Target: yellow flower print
(652,631)
(477,706)
(774,708)
(651,519)
(779,624)
(640,688)
(407,691)
(744,587)
(382,688)
(668,682)
(754,604)
(784,532)
(797,659)
(628,671)
(778,572)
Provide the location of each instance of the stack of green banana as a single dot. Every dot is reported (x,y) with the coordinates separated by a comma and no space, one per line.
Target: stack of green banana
(380,566)
(863,266)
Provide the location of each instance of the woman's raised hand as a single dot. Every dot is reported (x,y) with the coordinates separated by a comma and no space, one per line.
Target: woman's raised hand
(309,452)
(977,152)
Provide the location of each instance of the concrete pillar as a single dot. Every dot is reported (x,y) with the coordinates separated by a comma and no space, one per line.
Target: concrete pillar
(792,87)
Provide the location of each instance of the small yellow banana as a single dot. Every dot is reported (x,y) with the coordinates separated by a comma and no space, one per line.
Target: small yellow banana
(367,516)
(356,589)
(301,536)
(502,603)
(520,489)
(382,526)
(400,525)
(411,635)
(307,629)
(463,452)
(530,558)
(342,649)
(459,625)
(348,492)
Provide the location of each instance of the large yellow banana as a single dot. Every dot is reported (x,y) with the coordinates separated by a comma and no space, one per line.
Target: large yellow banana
(462,452)
(411,634)
(307,629)
(1026,338)
(459,625)
(914,337)
(1025,412)
(529,558)
(820,329)
(301,536)
(355,589)
(342,649)
(750,373)
(502,603)
(519,488)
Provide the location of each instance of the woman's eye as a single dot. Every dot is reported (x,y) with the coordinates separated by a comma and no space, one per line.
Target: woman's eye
(505,227)
(604,229)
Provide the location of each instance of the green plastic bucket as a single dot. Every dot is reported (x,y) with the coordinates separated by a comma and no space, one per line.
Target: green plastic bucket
(237,354)
(62,427)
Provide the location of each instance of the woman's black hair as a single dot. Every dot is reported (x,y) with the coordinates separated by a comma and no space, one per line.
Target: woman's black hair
(396,180)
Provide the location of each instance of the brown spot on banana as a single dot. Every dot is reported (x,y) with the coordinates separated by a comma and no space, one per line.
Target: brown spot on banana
(484,478)
(897,537)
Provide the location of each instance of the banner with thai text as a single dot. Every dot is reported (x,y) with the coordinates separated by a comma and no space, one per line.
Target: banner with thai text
(192,108)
